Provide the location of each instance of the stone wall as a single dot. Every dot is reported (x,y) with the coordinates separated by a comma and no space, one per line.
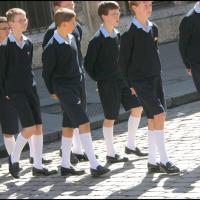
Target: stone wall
(167,18)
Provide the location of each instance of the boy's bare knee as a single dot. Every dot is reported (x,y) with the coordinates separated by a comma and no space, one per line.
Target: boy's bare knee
(28,132)
(137,112)
(67,132)
(108,123)
(85,128)
(39,130)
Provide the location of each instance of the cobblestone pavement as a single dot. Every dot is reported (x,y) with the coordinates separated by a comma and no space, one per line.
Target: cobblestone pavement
(125,180)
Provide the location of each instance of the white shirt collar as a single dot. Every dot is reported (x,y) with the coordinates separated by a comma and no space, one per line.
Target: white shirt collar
(140,26)
(4,42)
(13,39)
(106,33)
(197,7)
(61,40)
(52,26)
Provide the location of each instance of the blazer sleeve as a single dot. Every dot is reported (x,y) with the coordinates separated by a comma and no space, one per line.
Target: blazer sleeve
(126,51)
(49,64)
(91,57)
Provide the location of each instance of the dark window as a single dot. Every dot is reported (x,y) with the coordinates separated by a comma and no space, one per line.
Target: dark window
(39,13)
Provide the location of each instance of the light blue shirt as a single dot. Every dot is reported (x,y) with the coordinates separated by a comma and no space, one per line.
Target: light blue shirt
(3,43)
(106,34)
(197,7)
(13,39)
(140,26)
(61,40)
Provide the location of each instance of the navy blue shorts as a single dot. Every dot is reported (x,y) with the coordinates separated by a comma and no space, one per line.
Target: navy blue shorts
(27,105)
(8,117)
(113,93)
(151,95)
(83,93)
(69,94)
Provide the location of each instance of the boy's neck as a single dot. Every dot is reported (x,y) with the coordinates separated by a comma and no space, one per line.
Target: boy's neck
(109,28)
(142,20)
(2,39)
(18,36)
(63,33)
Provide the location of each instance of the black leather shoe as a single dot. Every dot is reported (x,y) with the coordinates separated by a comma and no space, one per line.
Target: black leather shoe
(71,171)
(137,152)
(73,159)
(14,169)
(82,157)
(153,168)
(44,161)
(116,159)
(169,168)
(100,170)
(43,172)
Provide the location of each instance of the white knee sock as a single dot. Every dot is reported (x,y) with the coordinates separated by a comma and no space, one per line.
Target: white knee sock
(37,142)
(133,124)
(86,140)
(66,151)
(108,136)
(20,143)
(31,147)
(160,142)
(152,147)
(9,144)
(76,143)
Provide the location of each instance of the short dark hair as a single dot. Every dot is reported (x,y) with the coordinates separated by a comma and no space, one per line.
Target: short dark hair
(105,6)
(10,14)
(3,19)
(63,15)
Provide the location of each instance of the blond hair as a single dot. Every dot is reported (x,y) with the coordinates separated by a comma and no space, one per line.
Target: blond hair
(63,15)
(10,14)
(3,19)
(133,3)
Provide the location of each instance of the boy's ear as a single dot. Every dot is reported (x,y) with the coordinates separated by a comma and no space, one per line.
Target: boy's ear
(103,17)
(133,7)
(10,24)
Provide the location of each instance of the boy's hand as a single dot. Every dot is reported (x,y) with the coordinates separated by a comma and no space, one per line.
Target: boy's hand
(189,71)
(54,96)
(133,91)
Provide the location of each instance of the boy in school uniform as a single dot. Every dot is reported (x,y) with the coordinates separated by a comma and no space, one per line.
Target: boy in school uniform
(18,87)
(8,114)
(77,153)
(102,64)
(142,70)
(62,75)
(189,43)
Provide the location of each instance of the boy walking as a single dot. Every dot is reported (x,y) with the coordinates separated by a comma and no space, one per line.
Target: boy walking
(18,87)
(77,153)
(142,70)
(8,115)
(189,43)
(61,72)
(102,64)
